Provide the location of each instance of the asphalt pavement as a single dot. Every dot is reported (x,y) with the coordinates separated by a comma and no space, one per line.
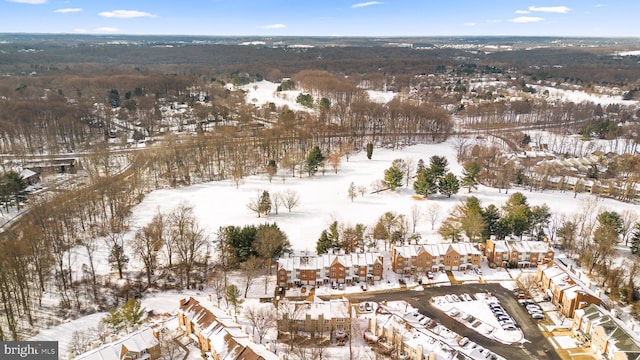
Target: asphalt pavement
(536,347)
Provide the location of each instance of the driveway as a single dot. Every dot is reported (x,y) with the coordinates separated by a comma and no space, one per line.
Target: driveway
(537,347)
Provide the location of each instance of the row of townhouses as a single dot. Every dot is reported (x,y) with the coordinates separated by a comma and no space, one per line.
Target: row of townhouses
(520,253)
(314,317)
(218,334)
(411,259)
(329,269)
(604,334)
(567,291)
(141,344)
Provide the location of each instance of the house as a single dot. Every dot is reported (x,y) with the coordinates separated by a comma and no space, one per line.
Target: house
(329,269)
(52,166)
(567,291)
(411,259)
(29,176)
(218,334)
(520,253)
(314,317)
(142,344)
(606,335)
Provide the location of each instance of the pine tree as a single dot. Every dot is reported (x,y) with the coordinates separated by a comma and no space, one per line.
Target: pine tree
(324,243)
(470,175)
(438,165)
(314,159)
(264,206)
(393,177)
(272,169)
(425,183)
(369,150)
(449,185)
(635,240)
(232,296)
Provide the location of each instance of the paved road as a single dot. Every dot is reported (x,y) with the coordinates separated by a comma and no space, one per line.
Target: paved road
(534,349)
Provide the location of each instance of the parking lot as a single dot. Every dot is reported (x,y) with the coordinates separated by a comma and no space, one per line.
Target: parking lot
(536,345)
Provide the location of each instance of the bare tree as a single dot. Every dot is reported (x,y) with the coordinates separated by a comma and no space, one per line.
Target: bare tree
(290,198)
(362,189)
(433,213)
(629,220)
(351,192)
(271,242)
(217,282)
(250,269)
(416,215)
(147,242)
(189,239)
(262,318)
(334,161)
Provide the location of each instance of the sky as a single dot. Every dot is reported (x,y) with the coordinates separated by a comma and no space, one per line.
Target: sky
(590,18)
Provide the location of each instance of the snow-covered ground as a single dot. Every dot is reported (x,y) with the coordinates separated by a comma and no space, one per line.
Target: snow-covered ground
(578,96)
(323,199)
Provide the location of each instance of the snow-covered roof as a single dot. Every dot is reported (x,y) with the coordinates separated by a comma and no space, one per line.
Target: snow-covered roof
(138,341)
(334,308)
(435,250)
(313,262)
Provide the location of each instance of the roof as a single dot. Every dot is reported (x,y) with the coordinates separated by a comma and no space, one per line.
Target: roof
(226,337)
(435,250)
(140,340)
(313,262)
(334,308)
(618,335)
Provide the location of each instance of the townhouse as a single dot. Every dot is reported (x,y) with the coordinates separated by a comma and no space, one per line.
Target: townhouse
(606,335)
(329,269)
(567,292)
(218,334)
(410,259)
(518,253)
(142,344)
(314,317)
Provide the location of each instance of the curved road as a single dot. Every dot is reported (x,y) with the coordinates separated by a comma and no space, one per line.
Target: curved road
(537,347)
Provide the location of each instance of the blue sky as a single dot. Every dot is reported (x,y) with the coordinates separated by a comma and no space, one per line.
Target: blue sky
(599,18)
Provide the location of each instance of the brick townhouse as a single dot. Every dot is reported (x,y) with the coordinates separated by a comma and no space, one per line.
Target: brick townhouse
(408,259)
(329,269)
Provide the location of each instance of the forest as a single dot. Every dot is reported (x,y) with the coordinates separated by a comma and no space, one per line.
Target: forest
(88,97)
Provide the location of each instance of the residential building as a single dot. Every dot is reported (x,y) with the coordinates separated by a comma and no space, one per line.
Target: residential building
(142,344)
(314,317)
(566,290)
(411,259)
(520,253)
(606,335)
(218,334)
(329,269)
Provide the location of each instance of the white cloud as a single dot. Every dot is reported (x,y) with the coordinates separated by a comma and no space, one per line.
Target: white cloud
(526,19)
(600,5)
(68,10)
(32,2)
(550,9)
(80,31)
(470,24)
(494,21)
(522,11)
(126,14)
(273,26)
(106,29)
(365,4)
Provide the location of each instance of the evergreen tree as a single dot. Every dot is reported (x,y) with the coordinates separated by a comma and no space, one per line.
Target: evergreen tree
(420,166)
(324,243)
(369,150)
(438,165)
(272,169)
(470,175)
(425,184)
(264,206)
(393,177)
(635,240)
(233,297)
(314,159)
(449,185)
(490,215)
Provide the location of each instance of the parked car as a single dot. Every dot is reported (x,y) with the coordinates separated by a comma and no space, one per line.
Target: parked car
(537,316)
(448,298)
(430,275)
(455,298)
